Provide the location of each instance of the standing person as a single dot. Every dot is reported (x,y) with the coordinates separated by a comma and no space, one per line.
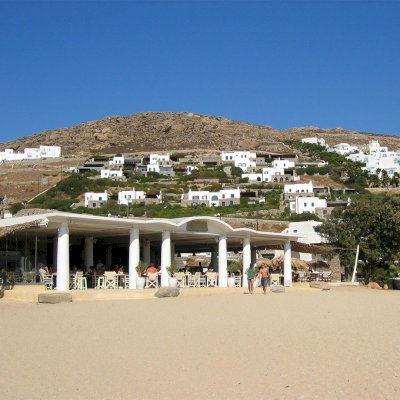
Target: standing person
(250,278)
(265,276)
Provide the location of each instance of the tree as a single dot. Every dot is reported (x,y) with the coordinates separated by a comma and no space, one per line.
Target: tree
(374,225)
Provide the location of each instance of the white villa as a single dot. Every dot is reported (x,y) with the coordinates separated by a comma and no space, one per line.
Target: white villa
(115,174)
(223,198)
(299,188)
(126,197)
(241,159)
(314,140)
(160,163)
(67,237)
(302,204)
(273,174)
(343,149)
(117,160)
(95,200)
(378,157)
(31,153)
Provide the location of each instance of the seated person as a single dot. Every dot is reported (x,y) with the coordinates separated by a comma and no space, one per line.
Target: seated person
(151,269)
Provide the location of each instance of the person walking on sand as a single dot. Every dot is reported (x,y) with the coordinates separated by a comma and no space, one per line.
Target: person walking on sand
(250,278)
(265,277)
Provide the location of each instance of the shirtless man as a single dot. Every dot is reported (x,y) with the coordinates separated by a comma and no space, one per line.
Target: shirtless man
(265,277)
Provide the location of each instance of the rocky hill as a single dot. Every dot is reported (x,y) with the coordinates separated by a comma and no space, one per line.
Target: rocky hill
(167,131)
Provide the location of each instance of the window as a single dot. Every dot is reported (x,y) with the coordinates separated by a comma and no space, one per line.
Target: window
(305,204)
(231,203)
(294,230)
(196,197)
(94,205)
(223,196)
(232,196)
(223,204)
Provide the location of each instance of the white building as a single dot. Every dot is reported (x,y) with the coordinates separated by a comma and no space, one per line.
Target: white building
(308,234)
(343,149)
(117,160)
(190,169)
(314,140)
(31,153)
(126,197)
(157,158)
(378,158)
(94,200)
(241,159)
(302,204)
(299,188)
(278,163)
(225,197)
(111,173)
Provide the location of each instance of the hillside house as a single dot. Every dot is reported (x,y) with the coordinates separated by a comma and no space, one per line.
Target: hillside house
(291,191)
(343,148)
(126,197)
(241,159)
(31,153)
(117,160)
(114,174)
(314,140)
(95,200)
(302,205)
(223,198)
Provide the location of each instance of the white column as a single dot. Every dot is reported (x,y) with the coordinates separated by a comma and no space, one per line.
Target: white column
(88,252)
(146,252)
(222,262)
(246,259)
(108,259)
(172,251)
(287,264)
(165,256)
(134,256)
(214,258)
(63,257)
(55,241)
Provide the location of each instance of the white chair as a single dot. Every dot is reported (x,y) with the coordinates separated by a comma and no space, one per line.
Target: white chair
(212,278)
(302,276)
(100,282)
(180,279)
(193,280)
(326,276)
(151,280)
(110,280)
(48,282)
(81,282)
(73,280)
(202,281)
(275,279)
(126,281)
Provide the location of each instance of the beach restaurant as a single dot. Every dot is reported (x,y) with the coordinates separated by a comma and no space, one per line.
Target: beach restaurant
(64,239)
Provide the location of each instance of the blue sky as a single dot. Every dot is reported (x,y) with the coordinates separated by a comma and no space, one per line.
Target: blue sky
(274,63)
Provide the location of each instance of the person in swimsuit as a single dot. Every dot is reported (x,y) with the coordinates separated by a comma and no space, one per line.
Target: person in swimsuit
(265,277)
(250,278)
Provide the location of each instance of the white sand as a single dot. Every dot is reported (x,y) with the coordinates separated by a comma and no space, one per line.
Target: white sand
(341,344)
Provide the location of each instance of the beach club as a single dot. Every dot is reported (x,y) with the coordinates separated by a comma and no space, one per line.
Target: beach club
(63,239)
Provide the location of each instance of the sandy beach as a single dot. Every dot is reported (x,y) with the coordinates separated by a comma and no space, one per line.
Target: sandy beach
(338,344)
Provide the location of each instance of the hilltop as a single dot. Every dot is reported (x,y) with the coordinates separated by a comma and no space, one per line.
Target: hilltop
(167,131)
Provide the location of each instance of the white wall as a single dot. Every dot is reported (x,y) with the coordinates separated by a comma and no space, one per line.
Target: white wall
(299,188)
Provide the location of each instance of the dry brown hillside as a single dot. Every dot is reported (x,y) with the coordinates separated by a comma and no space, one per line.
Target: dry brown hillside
(156,131)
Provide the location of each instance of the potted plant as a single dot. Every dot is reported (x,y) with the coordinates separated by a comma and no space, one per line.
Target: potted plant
(140,279)
(234,267)
(172,269)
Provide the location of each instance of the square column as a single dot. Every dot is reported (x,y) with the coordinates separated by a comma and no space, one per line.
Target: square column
(246,259)
(134,256)
(88,252)
(287,264)
(165,256)
(63,257)
(214,258)
(222,262)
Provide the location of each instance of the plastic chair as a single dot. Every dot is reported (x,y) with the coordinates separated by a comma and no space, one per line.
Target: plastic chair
(212,278)
(110,280)
(100,282)
(48,282)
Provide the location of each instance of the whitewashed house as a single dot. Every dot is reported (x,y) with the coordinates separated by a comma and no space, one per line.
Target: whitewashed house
(223,198)
(303,204)
(276,173)
(343,149)
(117,160)
(308,233)
(299,187)
(126,197)
(114,174)
(190,169)
(95,200)
(31,153)
(241,159)
(314,140)
(161,164)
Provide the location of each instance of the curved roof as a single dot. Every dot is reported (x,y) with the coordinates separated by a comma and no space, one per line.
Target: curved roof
(198,229)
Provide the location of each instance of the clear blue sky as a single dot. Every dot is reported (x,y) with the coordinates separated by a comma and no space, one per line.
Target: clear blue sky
(273,63)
